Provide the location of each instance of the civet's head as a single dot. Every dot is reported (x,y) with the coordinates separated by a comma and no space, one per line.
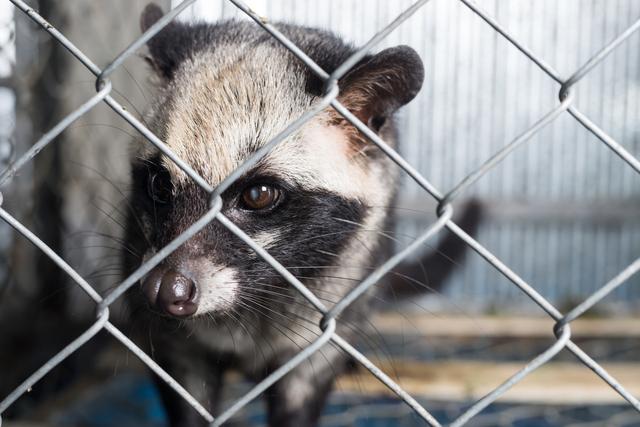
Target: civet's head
(226,90)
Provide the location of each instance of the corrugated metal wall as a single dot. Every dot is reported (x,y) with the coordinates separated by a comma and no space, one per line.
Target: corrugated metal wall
(565,211)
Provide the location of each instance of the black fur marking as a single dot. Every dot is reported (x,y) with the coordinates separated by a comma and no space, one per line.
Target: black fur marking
(309,226)
(152,188)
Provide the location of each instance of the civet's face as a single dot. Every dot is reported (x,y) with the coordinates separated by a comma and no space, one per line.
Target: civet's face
(226,90)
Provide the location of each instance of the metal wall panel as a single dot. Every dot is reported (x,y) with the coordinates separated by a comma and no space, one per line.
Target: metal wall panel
(480,93)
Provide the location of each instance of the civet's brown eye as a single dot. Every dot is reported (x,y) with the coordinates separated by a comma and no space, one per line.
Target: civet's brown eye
(260,197)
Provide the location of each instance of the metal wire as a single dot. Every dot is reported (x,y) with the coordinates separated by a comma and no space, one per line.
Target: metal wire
(561,332)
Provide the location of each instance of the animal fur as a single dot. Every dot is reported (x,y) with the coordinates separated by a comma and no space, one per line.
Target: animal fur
(227,89)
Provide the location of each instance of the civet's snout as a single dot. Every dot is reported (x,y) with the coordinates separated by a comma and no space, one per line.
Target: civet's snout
(171,291)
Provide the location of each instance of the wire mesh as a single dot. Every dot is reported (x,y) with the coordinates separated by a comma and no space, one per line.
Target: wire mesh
(561,331)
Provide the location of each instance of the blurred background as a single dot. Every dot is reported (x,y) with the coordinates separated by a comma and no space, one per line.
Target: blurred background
(562,211)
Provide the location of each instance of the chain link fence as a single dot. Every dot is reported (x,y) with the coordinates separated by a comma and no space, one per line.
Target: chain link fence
(7,116)
(104,88)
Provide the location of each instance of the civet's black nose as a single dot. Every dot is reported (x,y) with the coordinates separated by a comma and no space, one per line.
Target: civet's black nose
(171,292)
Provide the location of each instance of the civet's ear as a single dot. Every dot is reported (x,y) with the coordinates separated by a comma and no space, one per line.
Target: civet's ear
(169,47)
(376,87)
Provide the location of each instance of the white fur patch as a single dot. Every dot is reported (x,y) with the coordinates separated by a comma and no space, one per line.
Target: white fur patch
(266,238)
(320,158)
(218,287)
(300,389)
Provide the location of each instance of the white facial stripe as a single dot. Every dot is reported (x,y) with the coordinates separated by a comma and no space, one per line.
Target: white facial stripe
(320,158)
(267,238)
(218,288)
